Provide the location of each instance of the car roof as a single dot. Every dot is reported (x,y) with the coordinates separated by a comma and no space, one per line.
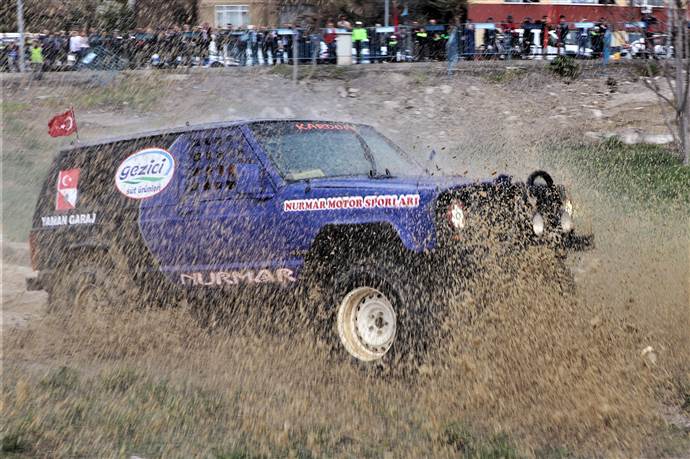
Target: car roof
(196,127)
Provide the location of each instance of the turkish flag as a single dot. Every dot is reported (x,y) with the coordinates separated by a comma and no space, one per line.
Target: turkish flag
(66,198)
(63,124)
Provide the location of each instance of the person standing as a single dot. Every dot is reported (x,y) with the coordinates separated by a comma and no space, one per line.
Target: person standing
(490,38)
(36,58)
(253,44)
(562,33)
(13,57)
(452,45)
(50,50)
(608,37)
(508,30)
(544,26)
(527,37)
(287,43)
(242,43)
(75,45)
(266,45)
(359,35)
(343,23)
(392,48)
(329,38)
(375,45)
(468,40)
(582,36)
(421,38)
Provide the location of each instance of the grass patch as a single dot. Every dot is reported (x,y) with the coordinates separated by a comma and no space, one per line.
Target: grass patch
(68,414)
(554,453)
(420,78)
(236,453)
(565,67)
(119,379)
(282,70)
(130,92)
(504,76)
(648,175)
(647,69)
(470,446)
(13,442)
(11,108)
(308,71)
(63,378)
(25,158)
(684,391)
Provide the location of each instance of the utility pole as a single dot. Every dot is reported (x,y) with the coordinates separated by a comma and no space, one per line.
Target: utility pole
(20,26)
(295,52)
(669,25)
(386,9)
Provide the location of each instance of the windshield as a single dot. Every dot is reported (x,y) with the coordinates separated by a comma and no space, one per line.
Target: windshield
(303,150)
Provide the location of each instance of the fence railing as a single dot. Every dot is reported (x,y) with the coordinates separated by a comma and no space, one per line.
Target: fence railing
(470,41)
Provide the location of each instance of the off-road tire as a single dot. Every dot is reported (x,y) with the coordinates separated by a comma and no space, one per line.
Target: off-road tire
(418,316)
(92,281)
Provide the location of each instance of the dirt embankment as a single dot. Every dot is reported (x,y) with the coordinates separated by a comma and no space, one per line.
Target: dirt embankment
(533,371)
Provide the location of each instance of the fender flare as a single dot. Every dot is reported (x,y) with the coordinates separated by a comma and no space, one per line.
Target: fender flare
(539,173)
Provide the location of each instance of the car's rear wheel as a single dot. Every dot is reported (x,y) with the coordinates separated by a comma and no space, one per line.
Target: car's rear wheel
(92,282)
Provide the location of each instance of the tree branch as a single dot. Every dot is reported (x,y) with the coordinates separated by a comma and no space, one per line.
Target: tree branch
(656,90)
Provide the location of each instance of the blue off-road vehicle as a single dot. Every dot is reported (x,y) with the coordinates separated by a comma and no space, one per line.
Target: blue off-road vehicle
(364,241)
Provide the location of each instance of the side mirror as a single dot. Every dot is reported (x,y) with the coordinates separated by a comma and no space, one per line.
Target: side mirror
(250,181)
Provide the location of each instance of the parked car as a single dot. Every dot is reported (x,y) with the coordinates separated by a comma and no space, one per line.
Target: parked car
(100,58)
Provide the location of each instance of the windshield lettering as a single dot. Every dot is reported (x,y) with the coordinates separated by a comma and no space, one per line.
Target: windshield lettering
(323,126)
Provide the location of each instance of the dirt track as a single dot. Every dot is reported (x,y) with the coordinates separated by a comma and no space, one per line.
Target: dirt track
(545,370)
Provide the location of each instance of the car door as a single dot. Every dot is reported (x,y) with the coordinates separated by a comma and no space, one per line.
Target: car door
(217,224)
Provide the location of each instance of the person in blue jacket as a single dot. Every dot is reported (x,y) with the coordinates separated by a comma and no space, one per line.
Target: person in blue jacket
(608,37)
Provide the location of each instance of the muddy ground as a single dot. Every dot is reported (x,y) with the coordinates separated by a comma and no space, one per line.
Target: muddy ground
(535,373)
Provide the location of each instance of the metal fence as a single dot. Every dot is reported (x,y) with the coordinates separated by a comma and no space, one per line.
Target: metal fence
(432,42)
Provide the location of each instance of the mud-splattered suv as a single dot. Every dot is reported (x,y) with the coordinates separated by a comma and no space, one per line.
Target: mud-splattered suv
(333,208)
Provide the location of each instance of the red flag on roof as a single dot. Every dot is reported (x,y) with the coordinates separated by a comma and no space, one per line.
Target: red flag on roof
(63,124)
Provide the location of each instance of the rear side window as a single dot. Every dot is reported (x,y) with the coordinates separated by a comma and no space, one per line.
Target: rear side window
(211,166)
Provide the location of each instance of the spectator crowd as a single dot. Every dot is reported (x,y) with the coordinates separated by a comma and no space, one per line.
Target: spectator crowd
(204,45)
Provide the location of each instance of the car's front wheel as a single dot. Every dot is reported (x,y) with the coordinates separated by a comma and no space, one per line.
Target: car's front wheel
(376,313)
(367,323)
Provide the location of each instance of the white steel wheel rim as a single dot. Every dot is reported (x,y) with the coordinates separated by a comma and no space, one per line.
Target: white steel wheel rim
(367,323)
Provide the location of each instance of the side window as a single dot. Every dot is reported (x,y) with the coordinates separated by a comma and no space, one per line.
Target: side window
(211,168)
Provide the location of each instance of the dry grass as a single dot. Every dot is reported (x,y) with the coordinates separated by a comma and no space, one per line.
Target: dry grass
(528,371)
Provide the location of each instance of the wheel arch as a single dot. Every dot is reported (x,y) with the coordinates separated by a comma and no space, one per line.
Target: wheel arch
(335,241)
(96,251)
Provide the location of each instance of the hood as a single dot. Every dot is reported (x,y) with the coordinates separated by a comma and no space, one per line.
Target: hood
(397,184)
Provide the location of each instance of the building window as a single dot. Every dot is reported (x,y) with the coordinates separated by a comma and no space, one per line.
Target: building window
(237,15)
(581,2)
(643,3)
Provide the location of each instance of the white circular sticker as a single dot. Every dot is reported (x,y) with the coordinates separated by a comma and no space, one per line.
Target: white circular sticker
(145,173)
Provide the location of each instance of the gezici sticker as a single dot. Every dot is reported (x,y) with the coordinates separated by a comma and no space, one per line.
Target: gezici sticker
(145,173)
(73,219)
